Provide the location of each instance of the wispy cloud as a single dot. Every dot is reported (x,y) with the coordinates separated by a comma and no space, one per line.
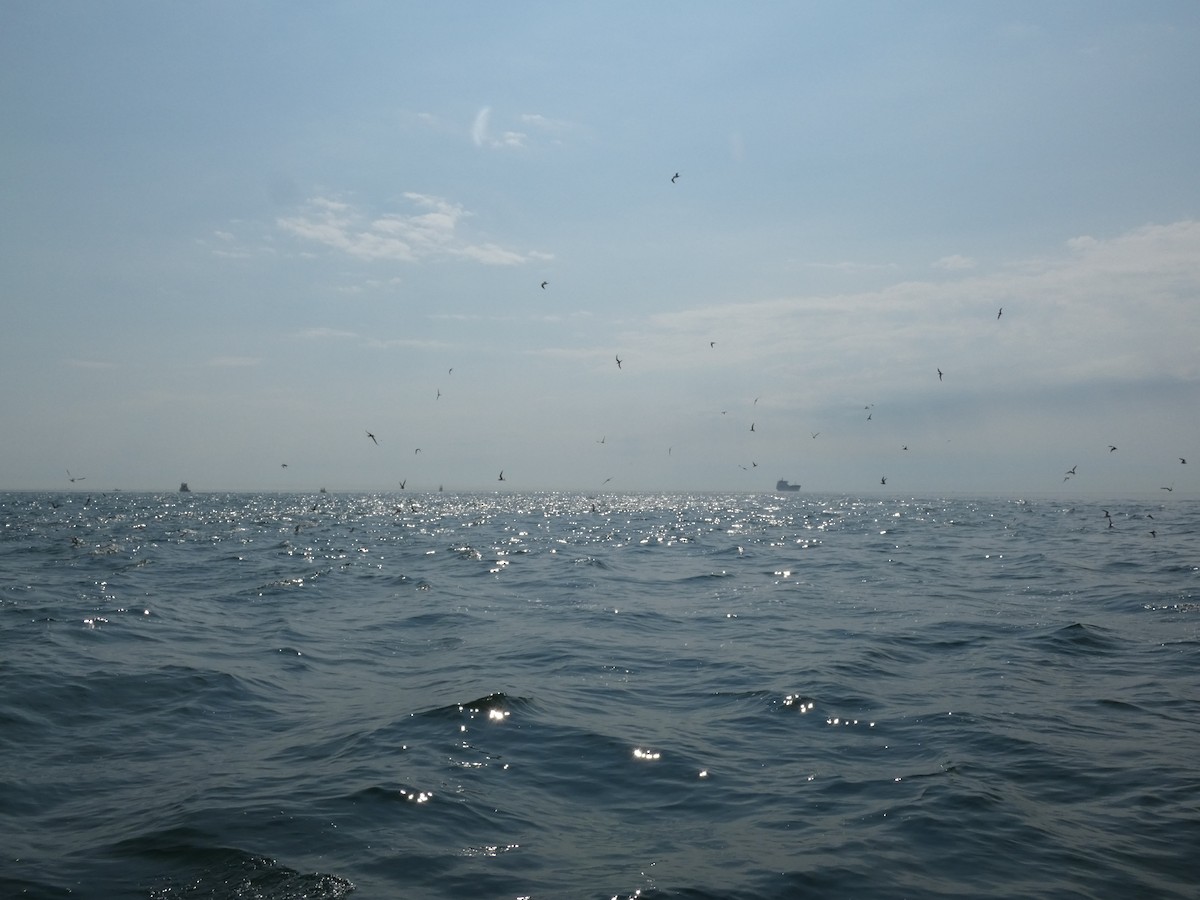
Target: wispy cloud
(954,263)
(430,231)
(482,136)
(1100,310)
(531,130)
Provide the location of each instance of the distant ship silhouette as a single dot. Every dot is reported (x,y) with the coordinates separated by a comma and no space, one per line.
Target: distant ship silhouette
(782,485)
(183,488)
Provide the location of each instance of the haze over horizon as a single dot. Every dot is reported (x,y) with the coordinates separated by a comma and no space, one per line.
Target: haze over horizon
(239,237)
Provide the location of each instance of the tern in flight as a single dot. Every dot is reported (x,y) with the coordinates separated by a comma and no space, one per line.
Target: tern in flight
(501,478)
(1111,448)
(883,480)
(544,283)
(814,434)
(372,437)
(1071,471)
(1182,461)
(618,362)
(939,374)
(674,178)
(75,478)
(999,314)
(404,482)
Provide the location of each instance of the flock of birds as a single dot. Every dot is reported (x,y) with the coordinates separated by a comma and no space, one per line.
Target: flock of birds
(1070,473)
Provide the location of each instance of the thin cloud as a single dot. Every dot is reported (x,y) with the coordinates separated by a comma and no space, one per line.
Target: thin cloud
(954,263)
(432,232)
(1097,311)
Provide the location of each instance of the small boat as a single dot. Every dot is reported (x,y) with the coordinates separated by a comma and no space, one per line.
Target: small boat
(183,488)
(782,485)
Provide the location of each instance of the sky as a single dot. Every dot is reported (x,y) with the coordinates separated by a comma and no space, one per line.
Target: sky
(237,237)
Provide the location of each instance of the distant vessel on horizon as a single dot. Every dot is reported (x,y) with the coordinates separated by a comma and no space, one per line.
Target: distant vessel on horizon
(782,485)
(183,488)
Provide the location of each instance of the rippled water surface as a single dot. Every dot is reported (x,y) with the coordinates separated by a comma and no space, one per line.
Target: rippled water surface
(561,696)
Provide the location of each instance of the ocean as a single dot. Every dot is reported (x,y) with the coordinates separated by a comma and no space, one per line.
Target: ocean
(505,695)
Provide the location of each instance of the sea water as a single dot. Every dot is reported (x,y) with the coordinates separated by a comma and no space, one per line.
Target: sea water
(597,696)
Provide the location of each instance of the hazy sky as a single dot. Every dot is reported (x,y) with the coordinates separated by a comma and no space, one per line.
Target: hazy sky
(235,235)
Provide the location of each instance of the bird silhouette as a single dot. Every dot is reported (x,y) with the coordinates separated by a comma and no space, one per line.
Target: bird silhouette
(883,480)
(75,478)
(999,314)
(1111,448)
(939,374)
(501,478)
(1182,461)
(1071,471)
(404,482)
(372,437)
(544,283)
(618,362)
(674,178)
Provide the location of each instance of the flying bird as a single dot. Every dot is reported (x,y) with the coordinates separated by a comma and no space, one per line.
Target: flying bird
(939,374)
(283,465)
(1167,489)
(712,344)
(75,478)
(404,482)
(883,480)
(372,437)
(1111,448)
(544,283)
(814,434)
(501,478)
(674,178)
(751,426)
(1071,471)
(999,314)
(1182,461)
(618,362)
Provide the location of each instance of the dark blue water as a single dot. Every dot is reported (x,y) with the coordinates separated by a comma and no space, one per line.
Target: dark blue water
(560,696)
